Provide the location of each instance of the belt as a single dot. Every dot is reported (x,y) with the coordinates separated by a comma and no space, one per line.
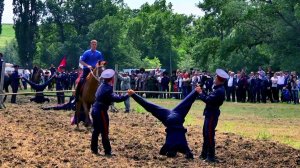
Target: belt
(212,108)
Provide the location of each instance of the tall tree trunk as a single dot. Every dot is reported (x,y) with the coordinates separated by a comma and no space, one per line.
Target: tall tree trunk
(1,13)
(26,29)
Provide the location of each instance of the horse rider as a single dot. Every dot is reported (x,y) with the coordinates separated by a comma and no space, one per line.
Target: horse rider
(173,120)
(104,98)
(89,60)
(213,101)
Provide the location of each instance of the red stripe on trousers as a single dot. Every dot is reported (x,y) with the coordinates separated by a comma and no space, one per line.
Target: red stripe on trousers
(104,124)
(210,129)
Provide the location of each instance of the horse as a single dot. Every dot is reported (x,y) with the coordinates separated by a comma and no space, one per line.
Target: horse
(87,93)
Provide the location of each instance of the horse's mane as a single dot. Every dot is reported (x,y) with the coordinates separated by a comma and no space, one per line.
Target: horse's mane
(89,76)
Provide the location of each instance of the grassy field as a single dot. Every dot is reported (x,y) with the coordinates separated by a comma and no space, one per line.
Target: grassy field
(273,122)
(7,35)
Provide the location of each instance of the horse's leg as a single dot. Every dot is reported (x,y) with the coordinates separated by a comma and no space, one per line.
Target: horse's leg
(77,112)
(89,114)
(86,112)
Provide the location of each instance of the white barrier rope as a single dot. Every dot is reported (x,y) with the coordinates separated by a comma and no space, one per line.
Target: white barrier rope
(60,91)
(25,93)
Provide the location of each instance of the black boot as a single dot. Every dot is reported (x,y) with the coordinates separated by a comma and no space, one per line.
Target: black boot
(189,155)
(94,150)
(109,154)
(203,155)
(171,153)
(163,151)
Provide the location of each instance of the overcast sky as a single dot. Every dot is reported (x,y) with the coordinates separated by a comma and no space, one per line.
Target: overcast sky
(179,6)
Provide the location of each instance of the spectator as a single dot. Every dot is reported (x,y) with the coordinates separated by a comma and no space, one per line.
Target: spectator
(295,90)
(274,88)
(15,82)
(280,82)
(179,81)
(185,84)
(125,85)
(165,84)
(231,85)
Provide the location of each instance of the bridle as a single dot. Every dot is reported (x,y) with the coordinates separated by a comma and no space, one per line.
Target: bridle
(97,73)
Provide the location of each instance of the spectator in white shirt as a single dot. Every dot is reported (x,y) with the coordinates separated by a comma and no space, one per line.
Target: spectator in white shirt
(274,88)
(280,82)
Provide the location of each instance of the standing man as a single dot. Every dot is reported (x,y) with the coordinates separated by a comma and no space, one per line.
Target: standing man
(165,80)
(15,82)
(213,102)
(231,85)
(89,60)
(52,72)
(125,85)
(60,85)
(104,98)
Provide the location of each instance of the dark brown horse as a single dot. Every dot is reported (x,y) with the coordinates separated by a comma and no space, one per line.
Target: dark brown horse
(87,93)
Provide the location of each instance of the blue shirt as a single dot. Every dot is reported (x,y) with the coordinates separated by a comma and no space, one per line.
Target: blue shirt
(92,57)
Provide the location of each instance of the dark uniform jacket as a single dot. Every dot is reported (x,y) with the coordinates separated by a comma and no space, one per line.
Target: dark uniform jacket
(105,97)
(213,101)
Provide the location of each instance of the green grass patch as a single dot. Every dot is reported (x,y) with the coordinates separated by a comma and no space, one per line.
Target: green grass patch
(264,135)
(8,34)
(278,122)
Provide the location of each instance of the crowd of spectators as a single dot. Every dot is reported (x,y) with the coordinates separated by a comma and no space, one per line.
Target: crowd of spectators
(255,87)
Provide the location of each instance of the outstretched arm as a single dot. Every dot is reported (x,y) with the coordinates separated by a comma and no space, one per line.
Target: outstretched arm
(157,111)
(38,87)
(117,98)
(184,106)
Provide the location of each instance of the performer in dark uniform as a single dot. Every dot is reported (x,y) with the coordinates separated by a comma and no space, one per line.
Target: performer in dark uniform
(60,85)
(52,71)
(67,106)
(15,82)
(39,97)
(104,98)
(213,102)
(173,120)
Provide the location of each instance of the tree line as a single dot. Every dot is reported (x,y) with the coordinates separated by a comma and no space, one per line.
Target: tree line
(233,34)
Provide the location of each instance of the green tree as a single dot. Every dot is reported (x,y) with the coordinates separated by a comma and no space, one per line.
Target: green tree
(26,15)
(151,63)
(1,13)
(10,52)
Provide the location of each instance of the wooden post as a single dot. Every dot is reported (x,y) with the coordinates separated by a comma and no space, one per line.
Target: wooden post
(1,85)
(112,107)
(116,77)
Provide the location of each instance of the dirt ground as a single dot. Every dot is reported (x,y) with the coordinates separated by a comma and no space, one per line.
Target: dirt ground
(31,137)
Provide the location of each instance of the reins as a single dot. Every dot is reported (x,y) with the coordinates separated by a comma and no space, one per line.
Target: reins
(95,76)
